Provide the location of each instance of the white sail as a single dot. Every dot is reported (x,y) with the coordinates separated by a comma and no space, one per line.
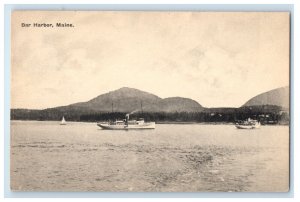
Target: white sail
(63,121)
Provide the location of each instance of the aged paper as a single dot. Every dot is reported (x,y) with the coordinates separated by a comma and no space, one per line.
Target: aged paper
(211,88)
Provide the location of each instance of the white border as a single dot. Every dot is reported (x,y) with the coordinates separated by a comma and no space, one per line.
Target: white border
(296,69)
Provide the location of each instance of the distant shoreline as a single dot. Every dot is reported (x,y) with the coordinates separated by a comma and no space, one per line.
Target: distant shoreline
(159,122)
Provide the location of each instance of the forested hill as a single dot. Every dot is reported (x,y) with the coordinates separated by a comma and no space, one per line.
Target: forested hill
(115,104)
(278,97)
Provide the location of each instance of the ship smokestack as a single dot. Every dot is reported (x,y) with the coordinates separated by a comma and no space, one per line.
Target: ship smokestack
(126,118)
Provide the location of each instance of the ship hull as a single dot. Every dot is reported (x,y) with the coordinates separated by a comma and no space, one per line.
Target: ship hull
(247,126)
(107,126)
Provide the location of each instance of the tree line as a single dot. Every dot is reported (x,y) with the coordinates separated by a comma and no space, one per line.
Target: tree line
(267,115)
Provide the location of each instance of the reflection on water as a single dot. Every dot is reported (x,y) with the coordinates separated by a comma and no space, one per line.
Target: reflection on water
(46,156)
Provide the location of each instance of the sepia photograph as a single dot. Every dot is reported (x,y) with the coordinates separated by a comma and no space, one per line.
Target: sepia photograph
(150,101)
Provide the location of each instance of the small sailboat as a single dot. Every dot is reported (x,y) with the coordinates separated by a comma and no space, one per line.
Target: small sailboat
(63,121)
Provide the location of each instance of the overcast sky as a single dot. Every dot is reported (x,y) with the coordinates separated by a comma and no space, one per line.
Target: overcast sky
(218,59)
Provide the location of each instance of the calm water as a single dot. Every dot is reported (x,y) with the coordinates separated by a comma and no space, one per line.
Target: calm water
(46,156)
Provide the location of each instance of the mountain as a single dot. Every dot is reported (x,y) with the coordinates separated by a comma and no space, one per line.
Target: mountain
(130,100)
(276,97)
(274,103)
(121,100)
(174,104)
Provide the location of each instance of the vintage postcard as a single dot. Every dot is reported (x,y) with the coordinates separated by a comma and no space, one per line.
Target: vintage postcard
(136,101)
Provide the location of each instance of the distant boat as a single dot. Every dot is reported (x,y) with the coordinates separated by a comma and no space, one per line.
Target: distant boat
(63,121)
(249,124)
(127,124)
